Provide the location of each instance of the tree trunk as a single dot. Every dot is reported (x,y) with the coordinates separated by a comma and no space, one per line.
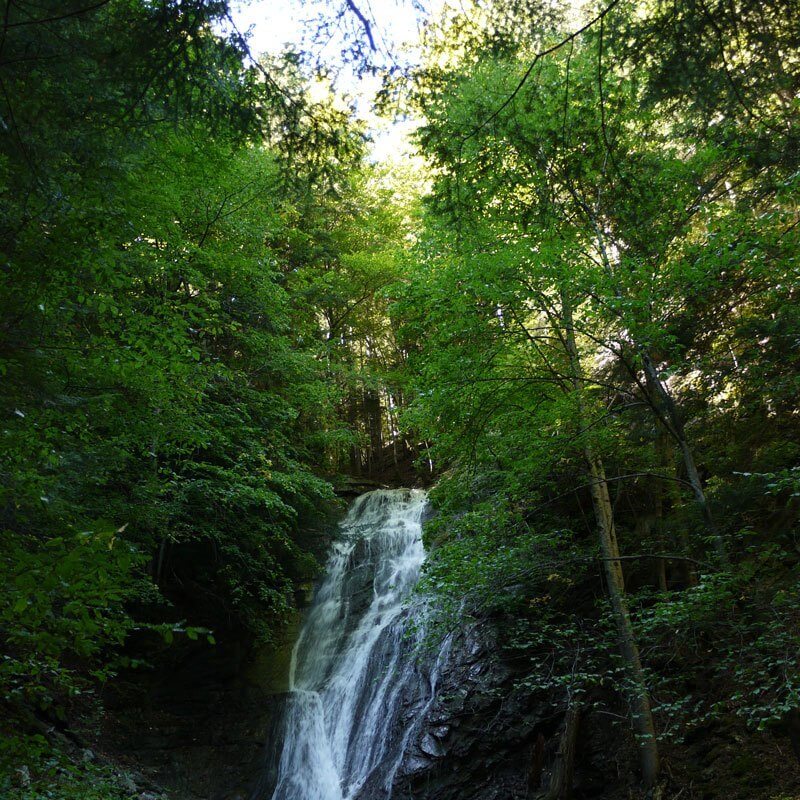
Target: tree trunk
(160,562)
(604,516)
(669,415)
(374,420)
(560,787)
(639,699)
(352,421)
(661,574)
(671,418)
(666,460)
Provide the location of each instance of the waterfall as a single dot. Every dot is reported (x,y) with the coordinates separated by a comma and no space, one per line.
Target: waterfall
(355,686)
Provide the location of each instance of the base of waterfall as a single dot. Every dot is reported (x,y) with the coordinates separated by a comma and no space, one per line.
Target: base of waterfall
(452,722)
(355,659)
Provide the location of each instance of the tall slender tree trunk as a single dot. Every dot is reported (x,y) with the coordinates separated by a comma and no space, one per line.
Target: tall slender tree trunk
(352,421)
(604,516)
(561,777)
(670,489)
(158,565)
(639,698)
(671,418)
(668,414)
(374,420)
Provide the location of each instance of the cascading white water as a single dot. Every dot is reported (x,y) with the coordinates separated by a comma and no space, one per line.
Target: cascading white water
(353,659)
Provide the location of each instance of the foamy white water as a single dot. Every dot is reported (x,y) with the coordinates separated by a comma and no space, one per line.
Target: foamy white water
(351,662)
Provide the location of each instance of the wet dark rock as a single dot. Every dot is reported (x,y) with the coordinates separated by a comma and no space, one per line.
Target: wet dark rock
(463,730)
(440,731)
(431,746)
(188,733)
(475,739)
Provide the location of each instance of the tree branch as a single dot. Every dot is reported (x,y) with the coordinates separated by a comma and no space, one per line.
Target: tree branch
(540,55)
(46,20)
(364,21)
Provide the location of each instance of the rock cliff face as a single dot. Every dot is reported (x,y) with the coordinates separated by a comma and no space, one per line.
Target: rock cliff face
(198,734)
(481,739)
(466,732)
(209,724)
(452,726)
(474,737)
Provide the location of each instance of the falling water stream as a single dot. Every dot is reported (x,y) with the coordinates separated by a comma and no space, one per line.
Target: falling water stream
(344,726)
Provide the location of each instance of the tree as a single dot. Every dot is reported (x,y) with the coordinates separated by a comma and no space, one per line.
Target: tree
(572,200)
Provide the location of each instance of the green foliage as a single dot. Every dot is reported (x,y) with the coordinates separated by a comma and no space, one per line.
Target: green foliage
(749,621)
(211,306)
(636,187)
(170,413)
(31,769)
(63,604)
(489,562)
